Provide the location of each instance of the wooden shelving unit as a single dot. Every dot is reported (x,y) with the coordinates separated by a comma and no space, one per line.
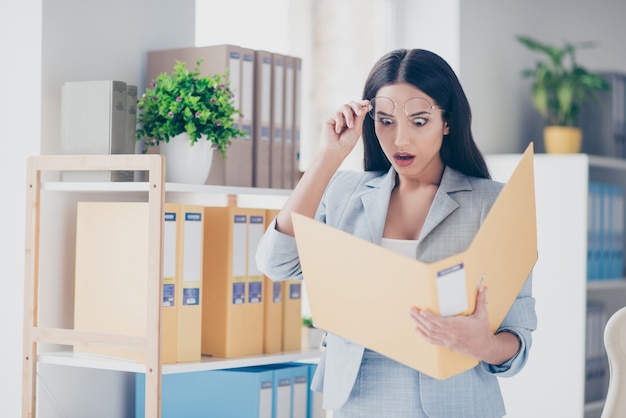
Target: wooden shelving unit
(153,190)
(35,334)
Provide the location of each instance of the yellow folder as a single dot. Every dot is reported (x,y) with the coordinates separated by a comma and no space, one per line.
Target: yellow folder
(363,292)
(182,283)
(273,307)
(254,281)
(232,322)
(292,315)
(189,283)
(169,311)
(111,277)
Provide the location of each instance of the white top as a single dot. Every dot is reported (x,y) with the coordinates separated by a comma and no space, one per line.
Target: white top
(407,247)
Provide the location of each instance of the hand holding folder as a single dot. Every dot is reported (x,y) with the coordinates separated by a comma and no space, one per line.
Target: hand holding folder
(347,297)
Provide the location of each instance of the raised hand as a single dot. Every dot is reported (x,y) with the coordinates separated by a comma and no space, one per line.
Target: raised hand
(342,130)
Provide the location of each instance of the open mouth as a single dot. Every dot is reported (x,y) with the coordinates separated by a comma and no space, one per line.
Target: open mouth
(403,158)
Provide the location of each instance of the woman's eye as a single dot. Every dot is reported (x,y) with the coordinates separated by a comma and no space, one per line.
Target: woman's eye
(420,121)
(386,121)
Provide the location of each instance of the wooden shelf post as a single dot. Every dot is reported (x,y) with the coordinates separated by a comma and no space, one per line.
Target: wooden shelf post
(35,334)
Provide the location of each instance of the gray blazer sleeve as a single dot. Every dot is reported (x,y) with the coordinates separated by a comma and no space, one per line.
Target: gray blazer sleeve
(521,320)
(277,255)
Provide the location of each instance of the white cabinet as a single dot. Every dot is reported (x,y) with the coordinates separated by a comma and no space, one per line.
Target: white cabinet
(50,247)
(553,382)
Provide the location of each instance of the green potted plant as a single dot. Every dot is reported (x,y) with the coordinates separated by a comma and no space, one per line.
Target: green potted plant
(184,106)
(559,88)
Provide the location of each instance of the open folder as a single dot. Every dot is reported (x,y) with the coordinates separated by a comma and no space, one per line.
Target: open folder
(363,292)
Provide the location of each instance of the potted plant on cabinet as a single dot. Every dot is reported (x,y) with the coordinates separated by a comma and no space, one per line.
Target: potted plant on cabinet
(188,116)
(559,88)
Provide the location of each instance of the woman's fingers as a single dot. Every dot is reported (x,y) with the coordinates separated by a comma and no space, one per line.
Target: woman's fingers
(350,113)
(342,129)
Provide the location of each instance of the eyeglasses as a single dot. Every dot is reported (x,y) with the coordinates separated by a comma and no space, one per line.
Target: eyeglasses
(416,108)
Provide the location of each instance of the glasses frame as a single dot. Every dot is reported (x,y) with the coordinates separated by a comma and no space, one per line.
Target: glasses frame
(395,105)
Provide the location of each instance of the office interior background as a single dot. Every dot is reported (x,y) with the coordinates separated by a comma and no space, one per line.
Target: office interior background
(44,43)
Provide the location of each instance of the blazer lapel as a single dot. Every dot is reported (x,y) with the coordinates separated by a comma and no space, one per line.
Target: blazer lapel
(443,204)
(375,202)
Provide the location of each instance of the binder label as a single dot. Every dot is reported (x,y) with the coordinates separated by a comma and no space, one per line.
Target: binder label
(169,248)
(192,248)
(452,290)
(294,290)
(191,296)
(239,252)
(255,291)
(168,296)
(193,216)
(277,292)
(256,219)
(247,128)
(239,293)
(265,134)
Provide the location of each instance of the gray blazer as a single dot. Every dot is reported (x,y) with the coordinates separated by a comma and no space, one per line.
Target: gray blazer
(357,202)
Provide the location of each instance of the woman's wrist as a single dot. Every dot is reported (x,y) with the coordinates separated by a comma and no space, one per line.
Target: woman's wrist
(327,159)
(501,348)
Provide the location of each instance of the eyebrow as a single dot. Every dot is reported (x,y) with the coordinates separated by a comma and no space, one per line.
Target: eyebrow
(421,112)
(380,112)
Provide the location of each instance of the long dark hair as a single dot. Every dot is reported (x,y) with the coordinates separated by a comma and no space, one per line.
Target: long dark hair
(431,74)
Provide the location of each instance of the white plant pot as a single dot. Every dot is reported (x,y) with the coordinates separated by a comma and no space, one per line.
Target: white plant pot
(185,163)
(312,337)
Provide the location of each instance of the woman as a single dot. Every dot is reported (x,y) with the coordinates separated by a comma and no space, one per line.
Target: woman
(425,192)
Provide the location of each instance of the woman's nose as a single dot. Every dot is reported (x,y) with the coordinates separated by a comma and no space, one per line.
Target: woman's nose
(403,133)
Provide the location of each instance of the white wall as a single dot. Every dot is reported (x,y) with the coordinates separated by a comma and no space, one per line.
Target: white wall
(44,44)
(427,24)
(20,115)
(108,40)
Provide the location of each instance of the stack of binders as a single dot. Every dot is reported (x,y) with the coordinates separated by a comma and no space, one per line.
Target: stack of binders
(273,303)
(596,362)
(270,391)
(182,282)
(605,241)
(283,312)
(267,89)
(233,315)
(216,302)
(603,119)
(111,277)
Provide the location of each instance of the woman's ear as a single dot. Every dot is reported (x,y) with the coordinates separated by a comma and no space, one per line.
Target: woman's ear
(446,128)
